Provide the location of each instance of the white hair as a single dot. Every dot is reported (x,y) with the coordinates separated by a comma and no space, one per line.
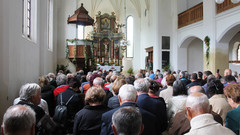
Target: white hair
(18,118)
(61,79)
(27,91)
(198,102)
(142,85)
(98,81)
(128,92)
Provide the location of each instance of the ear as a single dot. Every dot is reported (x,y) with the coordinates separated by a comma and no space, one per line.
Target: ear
(120,100)
(2,130)
(189,114)
(114,130)
(210,109)
(142,128)
(136,98)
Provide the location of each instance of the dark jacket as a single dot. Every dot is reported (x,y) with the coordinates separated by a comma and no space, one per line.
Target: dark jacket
(181,125)
(194,83)
(88,120)
(157,106)
(148,119)
(74,105)
(47,95)
(39,112)
(113,102)
(108,96)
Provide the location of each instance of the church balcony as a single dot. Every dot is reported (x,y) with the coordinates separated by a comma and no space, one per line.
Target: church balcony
(190,16)
(226,5)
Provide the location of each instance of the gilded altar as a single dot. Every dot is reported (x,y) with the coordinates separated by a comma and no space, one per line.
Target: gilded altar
(106,36)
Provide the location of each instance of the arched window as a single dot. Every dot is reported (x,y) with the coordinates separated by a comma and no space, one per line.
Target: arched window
(130,36)
(238,52)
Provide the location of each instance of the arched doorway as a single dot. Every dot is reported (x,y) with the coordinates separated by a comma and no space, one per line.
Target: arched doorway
(191,55)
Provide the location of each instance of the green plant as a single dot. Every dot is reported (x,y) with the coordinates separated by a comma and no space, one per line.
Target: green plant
(166,67)
(61,67)
(207,42)
(130,71)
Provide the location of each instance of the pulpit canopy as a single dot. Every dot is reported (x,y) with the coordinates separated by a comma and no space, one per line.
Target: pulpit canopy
(81,17)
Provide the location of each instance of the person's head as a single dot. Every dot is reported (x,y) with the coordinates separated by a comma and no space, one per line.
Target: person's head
(93,76)
(194,77)
(206,74)
(200,74)
(141,85)
(83,78)
(42,81)
(235,74)
(214,87)
(138,75)
(61,79)
(233,94)
(18,120)
(95,95)
(31,92)
(127,93)
(130,80)
(154,86)
(118,83)
(127,121)
(179,88)
(197,103)
(230,78)
(98,82)
(194,89)
(74,83)
(210,78)
(108,78)
(182,74)
(170,79)
(227,72)
(113,78)
(51,76)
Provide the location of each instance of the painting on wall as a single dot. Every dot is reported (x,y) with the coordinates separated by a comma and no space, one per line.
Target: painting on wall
(105,23)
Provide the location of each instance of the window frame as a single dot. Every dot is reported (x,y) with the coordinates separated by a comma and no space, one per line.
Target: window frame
(131,43)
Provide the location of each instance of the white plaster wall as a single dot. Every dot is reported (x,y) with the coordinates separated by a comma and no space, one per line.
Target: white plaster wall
(225,21)
(195,56)
(21,60)
(234,66)
(186,4)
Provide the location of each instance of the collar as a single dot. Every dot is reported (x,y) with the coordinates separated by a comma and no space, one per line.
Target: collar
(202,120)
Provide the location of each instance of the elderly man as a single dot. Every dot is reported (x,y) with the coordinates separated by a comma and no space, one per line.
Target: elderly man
(18,120)
(194,81)
(227,72)
(127,121)
(181,124)
(198,109)
(127,97)
(112,79)
(156,106)
(62,84)
(98,82)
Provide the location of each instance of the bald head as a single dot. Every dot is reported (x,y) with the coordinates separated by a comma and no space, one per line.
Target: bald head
(194,89)
(19,119)
(197,103)
(98,82)
(227,72)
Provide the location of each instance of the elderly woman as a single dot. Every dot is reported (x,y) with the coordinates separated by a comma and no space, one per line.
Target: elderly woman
(217,98)
(153,89)
(88,120)
(113,102)
(177,102)
(233,117)
(30,95)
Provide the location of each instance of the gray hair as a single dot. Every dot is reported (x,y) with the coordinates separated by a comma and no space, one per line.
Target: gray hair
(127,121)
(98,81)
(182,74)
(138,75)
(18,118)
(27,91)
(198,102)
(51,75)
(61,79)
(128,92)
(142,85)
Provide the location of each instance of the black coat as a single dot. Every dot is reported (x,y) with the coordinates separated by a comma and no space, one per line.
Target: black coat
(113,102)
(88,120)
(148,119)
(74,105)
(47,95)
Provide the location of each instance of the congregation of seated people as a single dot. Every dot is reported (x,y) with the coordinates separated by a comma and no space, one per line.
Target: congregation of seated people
(109,102)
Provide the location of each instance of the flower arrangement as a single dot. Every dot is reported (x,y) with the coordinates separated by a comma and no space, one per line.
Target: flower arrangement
(207,42)
(112,68)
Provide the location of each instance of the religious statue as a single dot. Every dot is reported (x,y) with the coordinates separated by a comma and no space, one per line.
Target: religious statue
(149,65)
(106,44)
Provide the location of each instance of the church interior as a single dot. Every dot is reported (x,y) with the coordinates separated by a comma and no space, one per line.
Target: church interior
(37,36)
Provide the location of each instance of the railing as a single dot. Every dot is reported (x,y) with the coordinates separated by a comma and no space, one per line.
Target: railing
(227,4)
(190,16)
(235,61)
